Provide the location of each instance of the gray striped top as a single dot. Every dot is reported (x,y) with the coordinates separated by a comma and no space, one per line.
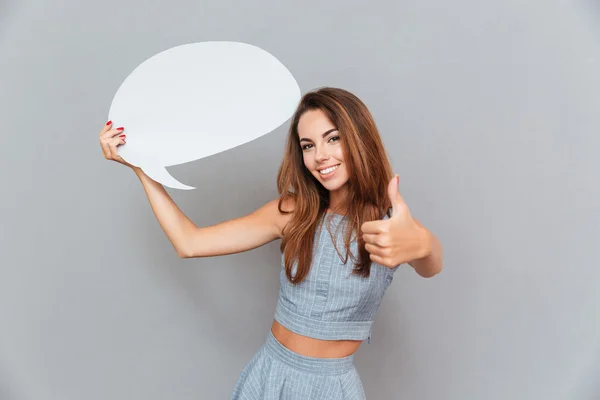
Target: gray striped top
(332,303)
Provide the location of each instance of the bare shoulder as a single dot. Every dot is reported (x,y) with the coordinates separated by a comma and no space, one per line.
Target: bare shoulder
(278,217)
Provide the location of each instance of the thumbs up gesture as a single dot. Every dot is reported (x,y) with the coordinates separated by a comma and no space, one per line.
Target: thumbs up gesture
(400,238)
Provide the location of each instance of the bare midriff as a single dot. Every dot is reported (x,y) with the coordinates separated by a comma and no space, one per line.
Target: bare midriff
(312,347)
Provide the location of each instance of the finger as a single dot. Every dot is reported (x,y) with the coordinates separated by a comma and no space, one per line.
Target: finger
(400,209)
(106,144)
(376,239)
(379,260)
(394,195)
(105,128)
(375,250)
(113,143)
(120,140)
(373,227)
(111,133)
(369,237)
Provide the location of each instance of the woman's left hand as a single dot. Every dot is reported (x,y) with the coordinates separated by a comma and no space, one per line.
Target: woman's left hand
(400,238)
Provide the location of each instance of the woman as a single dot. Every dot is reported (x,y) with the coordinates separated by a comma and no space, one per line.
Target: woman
(344,230)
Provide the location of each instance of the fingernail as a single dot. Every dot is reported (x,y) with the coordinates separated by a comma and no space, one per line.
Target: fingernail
(120,129)
(109,122)
(121,135)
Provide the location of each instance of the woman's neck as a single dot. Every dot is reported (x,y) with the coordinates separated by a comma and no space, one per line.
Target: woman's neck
(338,200)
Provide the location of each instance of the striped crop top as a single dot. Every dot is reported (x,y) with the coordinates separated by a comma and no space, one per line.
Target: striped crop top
(332,303)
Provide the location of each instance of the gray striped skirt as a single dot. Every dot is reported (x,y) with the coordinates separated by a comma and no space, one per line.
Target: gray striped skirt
(277,373)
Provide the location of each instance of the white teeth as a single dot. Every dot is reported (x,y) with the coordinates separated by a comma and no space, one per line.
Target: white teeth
(328,170)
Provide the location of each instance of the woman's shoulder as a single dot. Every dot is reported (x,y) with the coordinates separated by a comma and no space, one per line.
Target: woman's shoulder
(279,211)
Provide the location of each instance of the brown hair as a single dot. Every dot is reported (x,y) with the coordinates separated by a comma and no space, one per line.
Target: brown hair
(369,174)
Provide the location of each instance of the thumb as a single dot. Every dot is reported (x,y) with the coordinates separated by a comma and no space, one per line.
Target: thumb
(398,205)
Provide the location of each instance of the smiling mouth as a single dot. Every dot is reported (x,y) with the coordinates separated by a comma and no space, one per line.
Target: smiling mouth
(328,170)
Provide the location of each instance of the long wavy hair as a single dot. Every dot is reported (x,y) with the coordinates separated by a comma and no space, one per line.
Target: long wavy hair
(369,173)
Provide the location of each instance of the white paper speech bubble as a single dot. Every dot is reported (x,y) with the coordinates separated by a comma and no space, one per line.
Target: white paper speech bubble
(199,99)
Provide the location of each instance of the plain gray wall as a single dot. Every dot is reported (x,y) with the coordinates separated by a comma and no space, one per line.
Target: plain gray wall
(490,113)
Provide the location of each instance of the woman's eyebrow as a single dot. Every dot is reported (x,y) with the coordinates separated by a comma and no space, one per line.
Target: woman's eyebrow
(323,135)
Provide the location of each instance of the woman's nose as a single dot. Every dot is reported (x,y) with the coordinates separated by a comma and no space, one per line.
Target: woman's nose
(321,155)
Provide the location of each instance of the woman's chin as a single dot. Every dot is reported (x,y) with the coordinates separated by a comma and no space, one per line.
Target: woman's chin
(333,186)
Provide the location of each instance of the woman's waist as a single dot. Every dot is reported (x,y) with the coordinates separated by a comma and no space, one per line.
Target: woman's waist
(312,347)
(324,325)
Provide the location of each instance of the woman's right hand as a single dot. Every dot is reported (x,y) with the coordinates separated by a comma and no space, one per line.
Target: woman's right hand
(109,140)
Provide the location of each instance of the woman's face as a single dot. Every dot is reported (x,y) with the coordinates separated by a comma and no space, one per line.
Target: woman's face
(322,150)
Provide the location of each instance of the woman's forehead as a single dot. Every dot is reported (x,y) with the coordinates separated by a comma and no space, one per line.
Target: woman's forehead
(314,123)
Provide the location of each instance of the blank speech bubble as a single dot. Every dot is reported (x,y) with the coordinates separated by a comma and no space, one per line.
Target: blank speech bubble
(199,99)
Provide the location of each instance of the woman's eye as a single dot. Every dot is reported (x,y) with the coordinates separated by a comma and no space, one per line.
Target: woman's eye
(306,146)
(334,138)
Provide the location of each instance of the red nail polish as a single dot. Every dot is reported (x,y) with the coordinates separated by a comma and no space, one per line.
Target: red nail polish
(120,129)
(109,122)
(121,135)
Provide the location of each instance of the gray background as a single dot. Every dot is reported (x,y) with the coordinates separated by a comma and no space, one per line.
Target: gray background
(489,111)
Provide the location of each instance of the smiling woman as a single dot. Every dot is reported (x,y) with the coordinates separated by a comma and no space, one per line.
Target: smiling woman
(334,172)
(335,160)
